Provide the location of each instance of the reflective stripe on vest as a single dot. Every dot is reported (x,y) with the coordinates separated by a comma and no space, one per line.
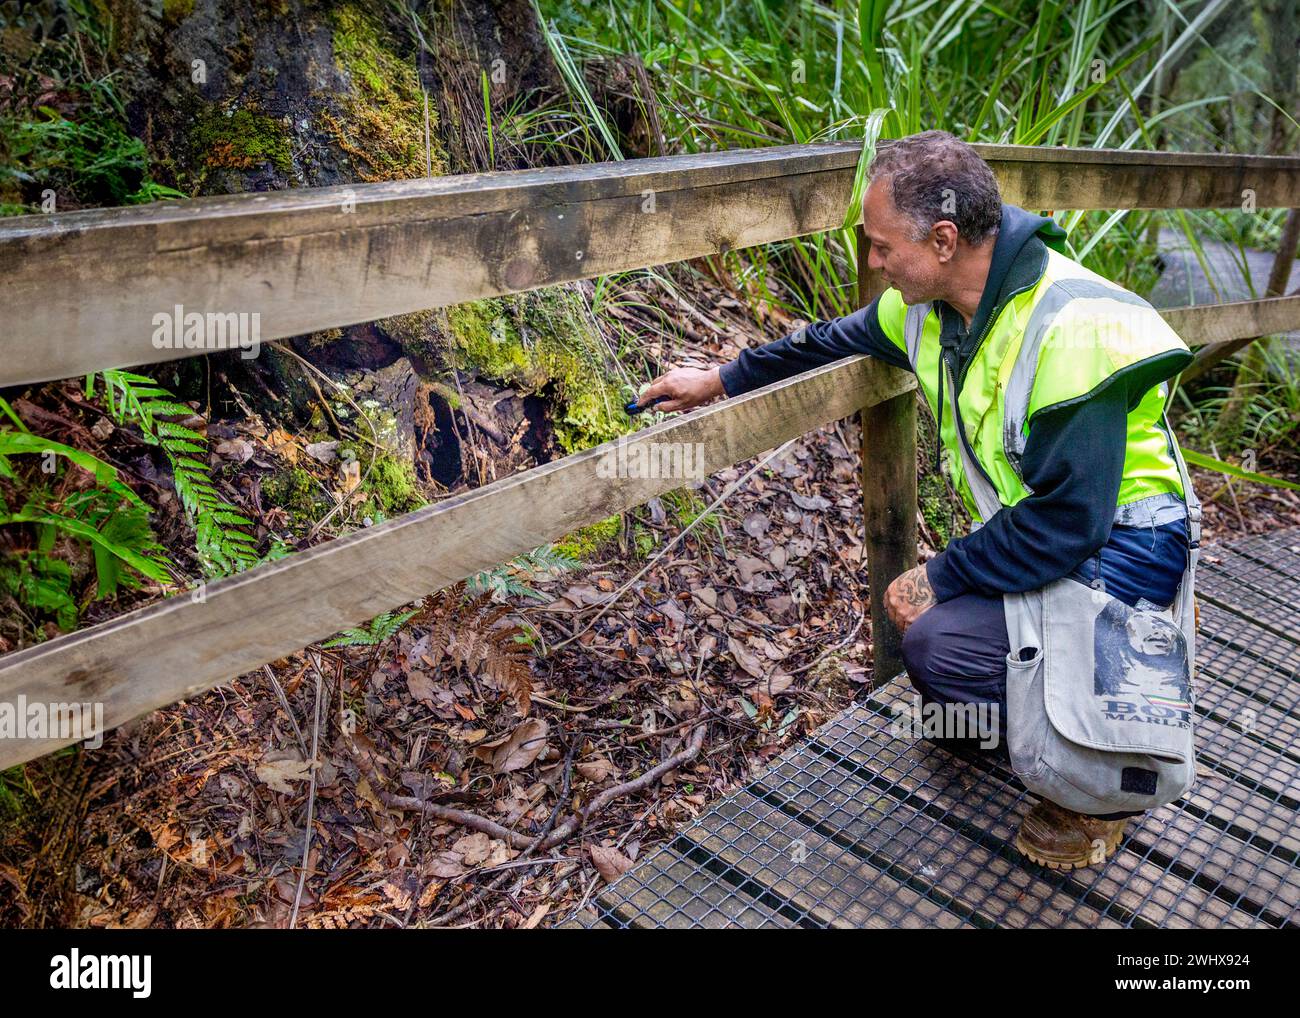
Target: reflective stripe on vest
(1051,344)
(1021,383)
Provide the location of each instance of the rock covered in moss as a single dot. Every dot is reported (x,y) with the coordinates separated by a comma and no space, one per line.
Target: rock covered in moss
(543,340)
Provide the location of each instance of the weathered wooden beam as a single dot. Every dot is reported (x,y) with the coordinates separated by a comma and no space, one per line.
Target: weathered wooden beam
(178,647)
(888,494)
(1278,278)
(1085,178)
(1205,324)
(81,289)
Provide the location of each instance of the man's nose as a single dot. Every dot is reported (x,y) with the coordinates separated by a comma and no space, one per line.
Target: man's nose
(874,261)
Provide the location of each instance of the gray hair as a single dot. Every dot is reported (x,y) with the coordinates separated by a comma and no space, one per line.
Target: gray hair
(935,176)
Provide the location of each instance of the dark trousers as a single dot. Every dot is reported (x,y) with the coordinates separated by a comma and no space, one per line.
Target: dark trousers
(956,651)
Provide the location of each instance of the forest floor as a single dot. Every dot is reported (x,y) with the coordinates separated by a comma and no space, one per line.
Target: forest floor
(659,681)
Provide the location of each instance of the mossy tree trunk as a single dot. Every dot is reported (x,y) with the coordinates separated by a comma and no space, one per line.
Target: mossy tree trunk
(239,95)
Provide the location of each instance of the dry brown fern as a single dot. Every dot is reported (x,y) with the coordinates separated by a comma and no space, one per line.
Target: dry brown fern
(471,635)
(338,919)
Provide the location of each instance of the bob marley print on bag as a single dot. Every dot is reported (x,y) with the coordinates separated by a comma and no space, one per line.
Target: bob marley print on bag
(1140,666)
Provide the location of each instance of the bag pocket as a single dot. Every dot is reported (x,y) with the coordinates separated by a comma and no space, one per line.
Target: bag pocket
(1026,729)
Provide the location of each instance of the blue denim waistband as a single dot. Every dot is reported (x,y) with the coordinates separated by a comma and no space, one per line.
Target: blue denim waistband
(1139,562)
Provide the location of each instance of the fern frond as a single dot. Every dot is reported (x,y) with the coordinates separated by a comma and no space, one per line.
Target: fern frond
(510,579)
(467,629)
(132,398)
(376,631)
(507,664)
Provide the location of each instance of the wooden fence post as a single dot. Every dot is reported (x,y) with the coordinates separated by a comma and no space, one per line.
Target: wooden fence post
(888,494)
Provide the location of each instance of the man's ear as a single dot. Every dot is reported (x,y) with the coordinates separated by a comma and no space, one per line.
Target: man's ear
(943,235)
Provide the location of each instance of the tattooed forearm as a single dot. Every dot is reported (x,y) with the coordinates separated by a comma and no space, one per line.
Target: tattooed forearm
(915,590)
(908,596)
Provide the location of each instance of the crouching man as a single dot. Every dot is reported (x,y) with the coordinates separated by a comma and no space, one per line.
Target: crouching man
(1051,382)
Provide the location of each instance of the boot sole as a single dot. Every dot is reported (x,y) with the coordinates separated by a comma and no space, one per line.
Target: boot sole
(1075,863)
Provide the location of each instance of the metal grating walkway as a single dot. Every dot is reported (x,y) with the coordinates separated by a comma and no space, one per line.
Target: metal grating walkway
(855,827)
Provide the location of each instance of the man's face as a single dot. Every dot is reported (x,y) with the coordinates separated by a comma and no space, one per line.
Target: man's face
(915,267)
(1151,634)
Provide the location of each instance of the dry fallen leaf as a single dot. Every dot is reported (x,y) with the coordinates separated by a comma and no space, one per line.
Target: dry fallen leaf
(474,848)
(422,687)
(524,745)
(778,683)
(278,773)
(745,658)
(610,863)
(366,793)
(445,865)
(705,595)
(813,503)
(597,770)
(165,837)
(284,445)
(238,450)
(323,452)
(747,566)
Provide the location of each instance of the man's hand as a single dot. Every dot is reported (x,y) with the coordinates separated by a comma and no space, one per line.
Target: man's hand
(908,596)
(684,388)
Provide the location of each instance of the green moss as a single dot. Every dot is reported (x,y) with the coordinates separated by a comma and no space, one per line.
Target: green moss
(489,340)
(390,489)
(558,351)
(239,139)
(381,124)
(378,422)
(415,333)
(932,494)
(586,542)
(175,11)
(293,490)
(325,337)
(645,539)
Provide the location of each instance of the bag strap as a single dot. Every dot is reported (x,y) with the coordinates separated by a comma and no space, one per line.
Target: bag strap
(1189,493)
(986,498)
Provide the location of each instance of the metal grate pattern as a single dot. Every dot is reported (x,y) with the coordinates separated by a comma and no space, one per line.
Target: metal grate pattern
(858,827)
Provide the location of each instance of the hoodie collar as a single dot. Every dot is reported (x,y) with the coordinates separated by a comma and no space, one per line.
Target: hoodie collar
(1019,258)
(1017,263)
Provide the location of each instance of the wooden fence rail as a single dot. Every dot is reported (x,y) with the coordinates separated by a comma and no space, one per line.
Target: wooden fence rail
(157,655)
(80,290)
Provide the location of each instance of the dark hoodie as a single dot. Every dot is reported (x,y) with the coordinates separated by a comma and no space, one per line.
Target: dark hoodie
(1074,455)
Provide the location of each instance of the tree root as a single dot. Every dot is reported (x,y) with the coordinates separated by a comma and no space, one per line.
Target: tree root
(561,833)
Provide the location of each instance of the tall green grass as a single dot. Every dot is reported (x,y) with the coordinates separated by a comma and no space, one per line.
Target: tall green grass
(742,73)
(1095,73)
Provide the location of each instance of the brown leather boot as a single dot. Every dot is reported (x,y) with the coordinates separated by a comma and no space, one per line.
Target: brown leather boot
(1061,839)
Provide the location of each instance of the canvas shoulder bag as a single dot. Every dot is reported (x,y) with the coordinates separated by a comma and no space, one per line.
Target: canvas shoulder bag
(1099,694)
